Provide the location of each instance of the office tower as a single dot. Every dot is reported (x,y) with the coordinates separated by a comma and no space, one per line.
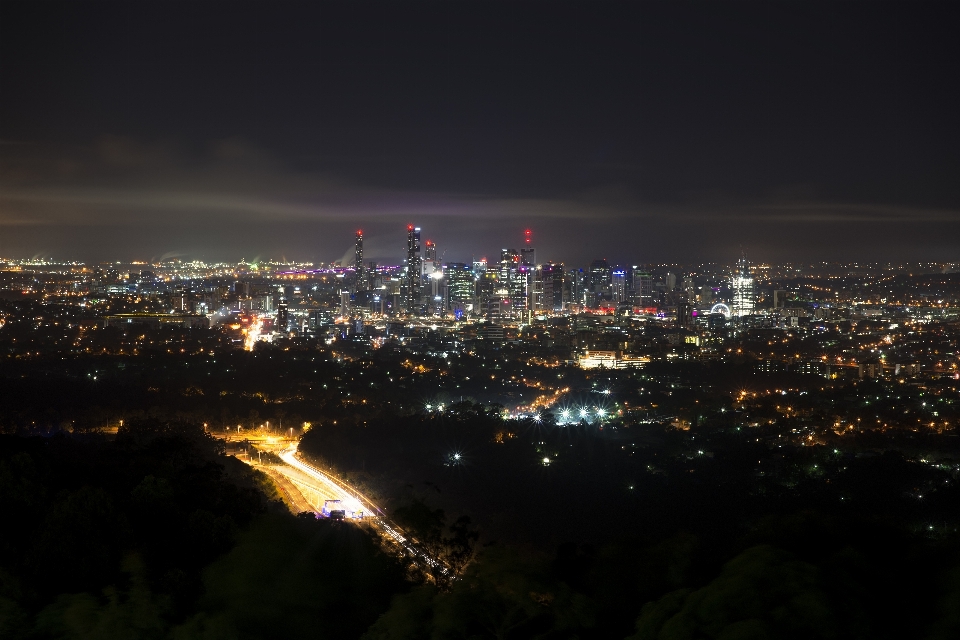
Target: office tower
(414,274)
(528,255)
(509,261)
(487,286)
(618,286)
(642,288)
(553,278)
(599,282)
(432,275)
(283,316)
(430,260)
(690,288)
(741,284)
(533,286)
(684,315)
(460,286)
(671,281)
(577,282)
(360,277)
(512,278)
(779,298)
(479,267)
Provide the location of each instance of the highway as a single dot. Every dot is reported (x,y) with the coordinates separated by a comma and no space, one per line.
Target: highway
(317,486)
(313,482)
(307,488)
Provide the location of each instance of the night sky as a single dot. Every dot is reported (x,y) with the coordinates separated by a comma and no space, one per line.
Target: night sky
(637,132)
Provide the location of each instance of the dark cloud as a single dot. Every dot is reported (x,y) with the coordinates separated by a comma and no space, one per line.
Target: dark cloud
(633,131)
(124,199)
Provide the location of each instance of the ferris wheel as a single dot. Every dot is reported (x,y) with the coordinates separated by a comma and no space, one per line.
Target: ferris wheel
(721,308)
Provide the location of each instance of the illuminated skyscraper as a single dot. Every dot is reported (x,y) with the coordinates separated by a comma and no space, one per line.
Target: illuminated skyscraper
(532,283)
(553,287)
(460,286)
(430,257)
(360,284)
(487,287)
(618,285)
(741,283)
(642,288)
(513,278)
(432,275)
(414,274)
(528,255)
(599,283)
(283,316)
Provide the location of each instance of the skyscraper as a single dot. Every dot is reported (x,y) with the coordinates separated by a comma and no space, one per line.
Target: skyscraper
(513,278)
(430,257)
(599,282)
(460,286)
(360,283)
(642,288)
(283,317)
(532,284)
(413,276)
(618,285)
(741,284)
(432,274)
(553,287)
(487,286)
(528,255)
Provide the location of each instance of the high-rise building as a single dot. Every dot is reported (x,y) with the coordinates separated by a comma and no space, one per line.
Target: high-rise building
(414,271)
(432,276)
(283,316)
(599,282)
(779,298)
(741,284)
(533,285)
(372,276)
(487,287)
(618,285)
(642,288)
(430,262)
(460,286)
(684,314)
(578,282)
(360,281)
(513,277)
(553,298)
(528,255)
(690,288)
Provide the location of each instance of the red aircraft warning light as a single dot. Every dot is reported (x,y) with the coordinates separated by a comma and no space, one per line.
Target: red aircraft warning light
(527,234)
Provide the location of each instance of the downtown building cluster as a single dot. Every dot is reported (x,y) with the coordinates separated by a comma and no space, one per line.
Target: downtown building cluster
(810,317)
(517,287)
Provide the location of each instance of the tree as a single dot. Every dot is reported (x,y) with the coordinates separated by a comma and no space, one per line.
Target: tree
(445,555)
